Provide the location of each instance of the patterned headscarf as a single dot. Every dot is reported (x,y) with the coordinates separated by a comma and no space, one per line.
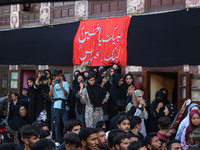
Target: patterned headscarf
(172,111)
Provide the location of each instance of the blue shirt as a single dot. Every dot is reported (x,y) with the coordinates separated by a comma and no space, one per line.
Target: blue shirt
(3,99)
(58,93)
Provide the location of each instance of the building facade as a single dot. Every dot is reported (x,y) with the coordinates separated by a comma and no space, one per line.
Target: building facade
(182,81)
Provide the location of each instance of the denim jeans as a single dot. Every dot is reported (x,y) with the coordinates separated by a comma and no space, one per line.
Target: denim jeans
(61,116)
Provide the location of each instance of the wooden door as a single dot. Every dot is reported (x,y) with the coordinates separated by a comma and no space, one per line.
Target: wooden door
(143,77)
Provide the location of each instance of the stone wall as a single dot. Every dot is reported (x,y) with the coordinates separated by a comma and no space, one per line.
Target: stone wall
(50,13)
(192,3)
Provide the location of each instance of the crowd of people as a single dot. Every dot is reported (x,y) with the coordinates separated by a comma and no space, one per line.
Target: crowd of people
(102,110)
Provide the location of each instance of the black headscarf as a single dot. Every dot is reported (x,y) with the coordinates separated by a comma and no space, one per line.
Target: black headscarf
(76,88)
(47,70)
(76,71)
(95,92)
(116,78)
(74,82)
(125,85)
(100,79)
(115,93)
(32,105)
(161,97)
(18,121)
(116,89)
(32,79)
(172,111)
(129,74)
(118,70)
(100,72)
(166,94)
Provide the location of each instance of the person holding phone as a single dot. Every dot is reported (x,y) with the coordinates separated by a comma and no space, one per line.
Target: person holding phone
(93,96)
(77,88)
(59,91)
(43,102)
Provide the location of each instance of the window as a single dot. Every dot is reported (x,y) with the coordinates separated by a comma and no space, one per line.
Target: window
(195,89)
(14,80)
(182,87)
(4,79)
(67,77)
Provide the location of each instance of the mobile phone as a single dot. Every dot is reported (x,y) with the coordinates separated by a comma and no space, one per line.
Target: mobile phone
(58,81)
(110,79)
(89,62)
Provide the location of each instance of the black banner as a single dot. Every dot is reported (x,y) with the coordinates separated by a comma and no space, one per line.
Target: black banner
(166,39)
(51,45)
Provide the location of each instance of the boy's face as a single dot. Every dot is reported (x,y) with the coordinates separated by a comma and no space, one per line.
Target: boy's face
(76,129)
(56,77)
(176,146)
(102,140)
(124,125)
(72,147)
(124,144)
(91,143)
(31,141)
(155,143)
(24,92)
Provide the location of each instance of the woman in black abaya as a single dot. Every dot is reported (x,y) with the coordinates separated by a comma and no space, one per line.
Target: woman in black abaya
(115,93)
(128,81)
(93,96)
(79,107)
(18,121)
(31,94)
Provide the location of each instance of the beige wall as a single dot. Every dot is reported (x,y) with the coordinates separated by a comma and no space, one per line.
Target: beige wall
(158,81)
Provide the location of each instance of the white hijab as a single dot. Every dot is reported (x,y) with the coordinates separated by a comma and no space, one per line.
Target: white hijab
(185,122)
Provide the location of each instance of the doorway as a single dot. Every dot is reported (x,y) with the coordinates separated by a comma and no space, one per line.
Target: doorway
(25,75)
(166,80)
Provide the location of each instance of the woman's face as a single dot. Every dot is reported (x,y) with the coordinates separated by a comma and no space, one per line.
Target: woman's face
(95,70)
(120,82)
(22,111)
(86,74)
(112,71)
(101,67)
(47,74)
(195,119)
(80,79)
(166,111)
(91,81)
(104,74)
(140,97)
(75,73)
(115,66)
(195,108)
(129,80)
(30,83)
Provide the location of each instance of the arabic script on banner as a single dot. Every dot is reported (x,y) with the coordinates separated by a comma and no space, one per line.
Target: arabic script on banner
(102,41)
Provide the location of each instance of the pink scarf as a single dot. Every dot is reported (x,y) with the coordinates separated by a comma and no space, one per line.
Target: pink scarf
(192,127)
